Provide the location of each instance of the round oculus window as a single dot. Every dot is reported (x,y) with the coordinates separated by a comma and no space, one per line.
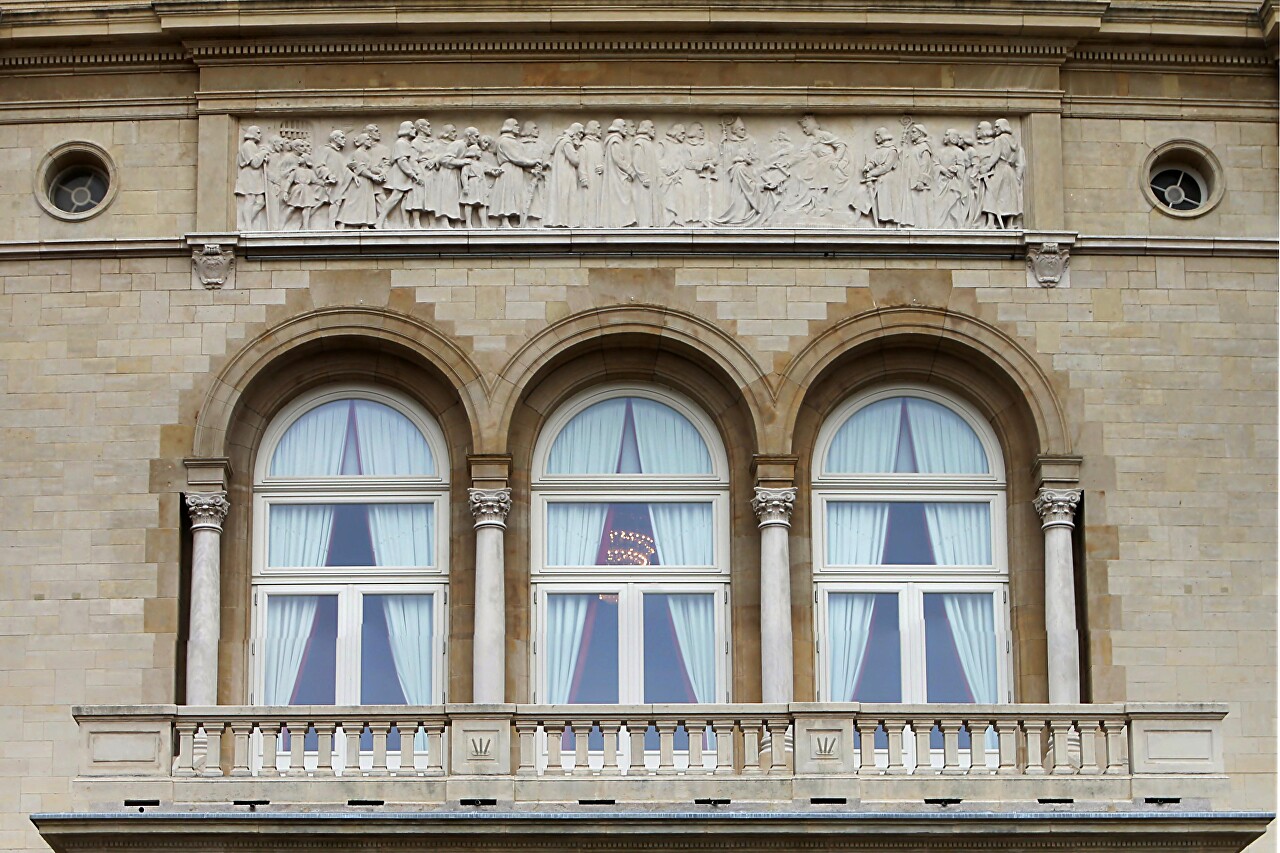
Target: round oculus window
(79,189)
(75,181)
(1182,179)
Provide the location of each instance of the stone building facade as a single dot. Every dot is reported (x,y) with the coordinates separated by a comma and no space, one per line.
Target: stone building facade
(740,230)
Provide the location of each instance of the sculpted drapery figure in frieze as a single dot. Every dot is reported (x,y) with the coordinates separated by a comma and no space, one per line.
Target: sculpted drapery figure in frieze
(632,176)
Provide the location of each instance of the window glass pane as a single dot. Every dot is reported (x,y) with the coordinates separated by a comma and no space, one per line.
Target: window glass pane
(396,650)
(865,651)
(382,534)
(629,435)
(300,649)
(629,534)
(960,647)
(582,648)
(352,437)
(906,533)
(906,435)
(679,647)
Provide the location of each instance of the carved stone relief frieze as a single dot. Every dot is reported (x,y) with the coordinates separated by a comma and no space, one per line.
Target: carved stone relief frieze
(765,171)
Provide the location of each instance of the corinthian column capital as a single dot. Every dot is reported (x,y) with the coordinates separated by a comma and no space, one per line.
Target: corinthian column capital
(489,506)
(774,506)
(1057,507)
(207,509)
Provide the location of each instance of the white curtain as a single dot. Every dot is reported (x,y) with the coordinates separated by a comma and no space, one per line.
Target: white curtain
(868,441)
(573,533)
(566,618)
(668,443)
(390,445)
(290,621)
(849,629)
(943,442)
(299,534)
(410,633)
(960,533)
(312,447)
(694,619)
(682,533)
(590,443)
(402,534)
(972,620)
(856,532)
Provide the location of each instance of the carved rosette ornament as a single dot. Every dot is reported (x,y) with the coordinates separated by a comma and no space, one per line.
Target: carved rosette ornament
(1057,507)
(213,265)
(774,506)
(207,509)
(1048,263)
(490,506)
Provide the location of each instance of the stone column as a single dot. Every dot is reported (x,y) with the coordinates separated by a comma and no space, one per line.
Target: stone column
(773,508)
(208,510)
(489,653)
(1057,508)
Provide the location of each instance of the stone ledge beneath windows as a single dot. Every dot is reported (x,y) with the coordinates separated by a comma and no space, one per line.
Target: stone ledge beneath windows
(696,828)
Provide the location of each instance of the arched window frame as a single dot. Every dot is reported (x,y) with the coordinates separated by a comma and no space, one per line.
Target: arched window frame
(350,584)
(911,582)
(630,585)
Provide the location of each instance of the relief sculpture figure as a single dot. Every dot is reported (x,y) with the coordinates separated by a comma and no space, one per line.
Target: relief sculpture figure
(566,182)
(824,167)
(700,175)
(251,183)
(331,165)
(281,161)
(617,206)
(305,190)
(593,168)
(419,202)
(917,165)
(402,174)
(535,204)
(740,181)
(951,182)
(359,205)
(449,182)
(509,188)
(646,189)
(673,159)
(1002,169)
(884,180)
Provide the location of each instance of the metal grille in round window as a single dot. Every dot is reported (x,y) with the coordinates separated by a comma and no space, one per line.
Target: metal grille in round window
(78,189)
(1178,189)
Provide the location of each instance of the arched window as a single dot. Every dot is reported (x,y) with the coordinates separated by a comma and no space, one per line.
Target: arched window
(630,551)
(350,552)
(910,566)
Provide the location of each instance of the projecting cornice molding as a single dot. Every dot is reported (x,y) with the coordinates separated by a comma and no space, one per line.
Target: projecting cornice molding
(904,25)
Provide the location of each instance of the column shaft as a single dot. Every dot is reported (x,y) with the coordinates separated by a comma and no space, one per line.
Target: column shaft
(773,507)
(489,638)
(1057,508)
(207,513)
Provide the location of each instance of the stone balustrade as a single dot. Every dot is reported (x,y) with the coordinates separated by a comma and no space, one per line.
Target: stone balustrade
(620,753)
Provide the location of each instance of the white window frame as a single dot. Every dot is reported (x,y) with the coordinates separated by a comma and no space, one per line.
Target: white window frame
(349,636)
(631,628)
(350,583)
(631,488)
(912,582)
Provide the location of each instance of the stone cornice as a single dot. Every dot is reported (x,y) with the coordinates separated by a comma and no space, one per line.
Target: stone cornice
(866,243)
(1234,22)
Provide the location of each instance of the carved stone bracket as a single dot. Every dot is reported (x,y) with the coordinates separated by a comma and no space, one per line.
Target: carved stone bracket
(1048,262)
(1057,507)
(213,266)
(207,509)
(774,506)
(490,506)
